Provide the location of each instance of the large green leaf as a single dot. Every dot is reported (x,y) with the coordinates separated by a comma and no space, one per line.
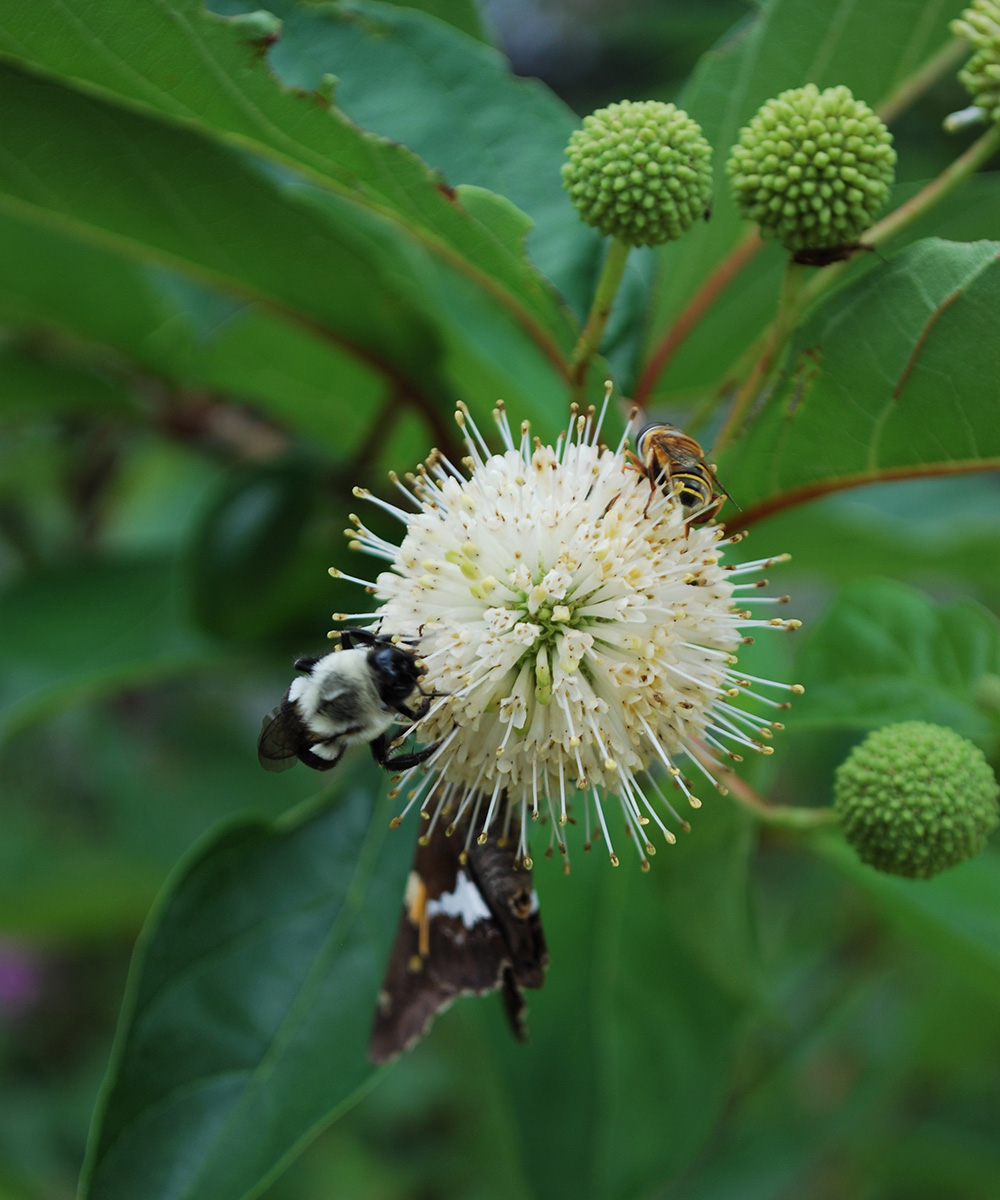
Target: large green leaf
(651,978)
(944,530)
(193,69)
(89,629)
(463,14)
(165,195)
(246,1025)
(787,43)
(886,380)
(33,388)
(954,915)
(193,336)
(885,652)
(464,114)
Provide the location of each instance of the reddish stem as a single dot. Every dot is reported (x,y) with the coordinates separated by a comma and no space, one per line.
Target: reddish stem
(812,491)
(694,310)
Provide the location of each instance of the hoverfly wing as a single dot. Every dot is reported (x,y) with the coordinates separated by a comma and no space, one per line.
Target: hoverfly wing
(280,739)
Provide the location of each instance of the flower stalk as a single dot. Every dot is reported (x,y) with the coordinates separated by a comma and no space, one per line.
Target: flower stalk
(600,310)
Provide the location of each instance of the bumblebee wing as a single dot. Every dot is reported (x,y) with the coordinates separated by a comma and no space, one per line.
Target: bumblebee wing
(280,739)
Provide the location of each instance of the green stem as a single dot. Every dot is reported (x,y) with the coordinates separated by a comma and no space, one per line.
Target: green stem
(600,310)
(785,320)
(945,62)
(798,296)
(779,816)
(981,150)
(788,816)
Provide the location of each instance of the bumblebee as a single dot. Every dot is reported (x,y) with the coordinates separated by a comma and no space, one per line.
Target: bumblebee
(675,462)
(347,698)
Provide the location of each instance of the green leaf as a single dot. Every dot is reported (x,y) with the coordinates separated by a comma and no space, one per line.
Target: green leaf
(184,331)
(455,104)
(464,15)
(258,558)
(188,68)
(652,976)
(786,44)
(246,1025)
(885,381)
(885,652)
(33,389)
(90,629)
(953,915)
(919,530)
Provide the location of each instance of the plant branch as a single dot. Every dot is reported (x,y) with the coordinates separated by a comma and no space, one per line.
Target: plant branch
(967,163)
(823,487)
(600,310)
(781,328)
(692,313)
(781,816)
(914,86)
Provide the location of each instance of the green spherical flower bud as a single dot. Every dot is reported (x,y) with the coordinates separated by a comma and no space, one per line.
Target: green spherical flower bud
(980,25)
(639,171)
(813,169)
(914,799)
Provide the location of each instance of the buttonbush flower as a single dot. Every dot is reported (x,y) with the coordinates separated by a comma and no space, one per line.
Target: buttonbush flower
(579,647)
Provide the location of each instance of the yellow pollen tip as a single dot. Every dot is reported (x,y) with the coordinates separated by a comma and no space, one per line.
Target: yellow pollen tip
(334,572)
(798,689)
(395,822)
(669,838)
(528,862)
(644,865)
(360,493)
(767,749)
(614,859)
(450,830)
(694,802)
(423,840)
(650,849)
(481,840)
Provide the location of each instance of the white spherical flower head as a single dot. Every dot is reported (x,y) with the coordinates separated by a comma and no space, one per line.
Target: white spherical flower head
(577,637)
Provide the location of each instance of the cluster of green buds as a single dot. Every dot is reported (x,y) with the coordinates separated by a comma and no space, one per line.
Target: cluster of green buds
(813,169)
(640,172)
(914,799)
(980,25)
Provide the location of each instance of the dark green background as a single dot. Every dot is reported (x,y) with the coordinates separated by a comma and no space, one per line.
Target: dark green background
(223,307)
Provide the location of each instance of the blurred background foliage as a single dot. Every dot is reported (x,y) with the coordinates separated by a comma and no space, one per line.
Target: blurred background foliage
(756,1019)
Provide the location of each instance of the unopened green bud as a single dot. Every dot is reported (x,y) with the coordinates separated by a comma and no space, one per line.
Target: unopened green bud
(639,171)
(813,169)
(980,25)
(914,799)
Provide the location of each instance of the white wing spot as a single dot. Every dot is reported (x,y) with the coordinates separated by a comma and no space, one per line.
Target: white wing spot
(465,902)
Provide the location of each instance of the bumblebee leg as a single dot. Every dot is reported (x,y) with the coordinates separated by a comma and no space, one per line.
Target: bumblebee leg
(415,713)
(351,637)
(399,762)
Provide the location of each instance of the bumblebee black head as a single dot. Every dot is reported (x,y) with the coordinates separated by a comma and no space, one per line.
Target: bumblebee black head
(396,672)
